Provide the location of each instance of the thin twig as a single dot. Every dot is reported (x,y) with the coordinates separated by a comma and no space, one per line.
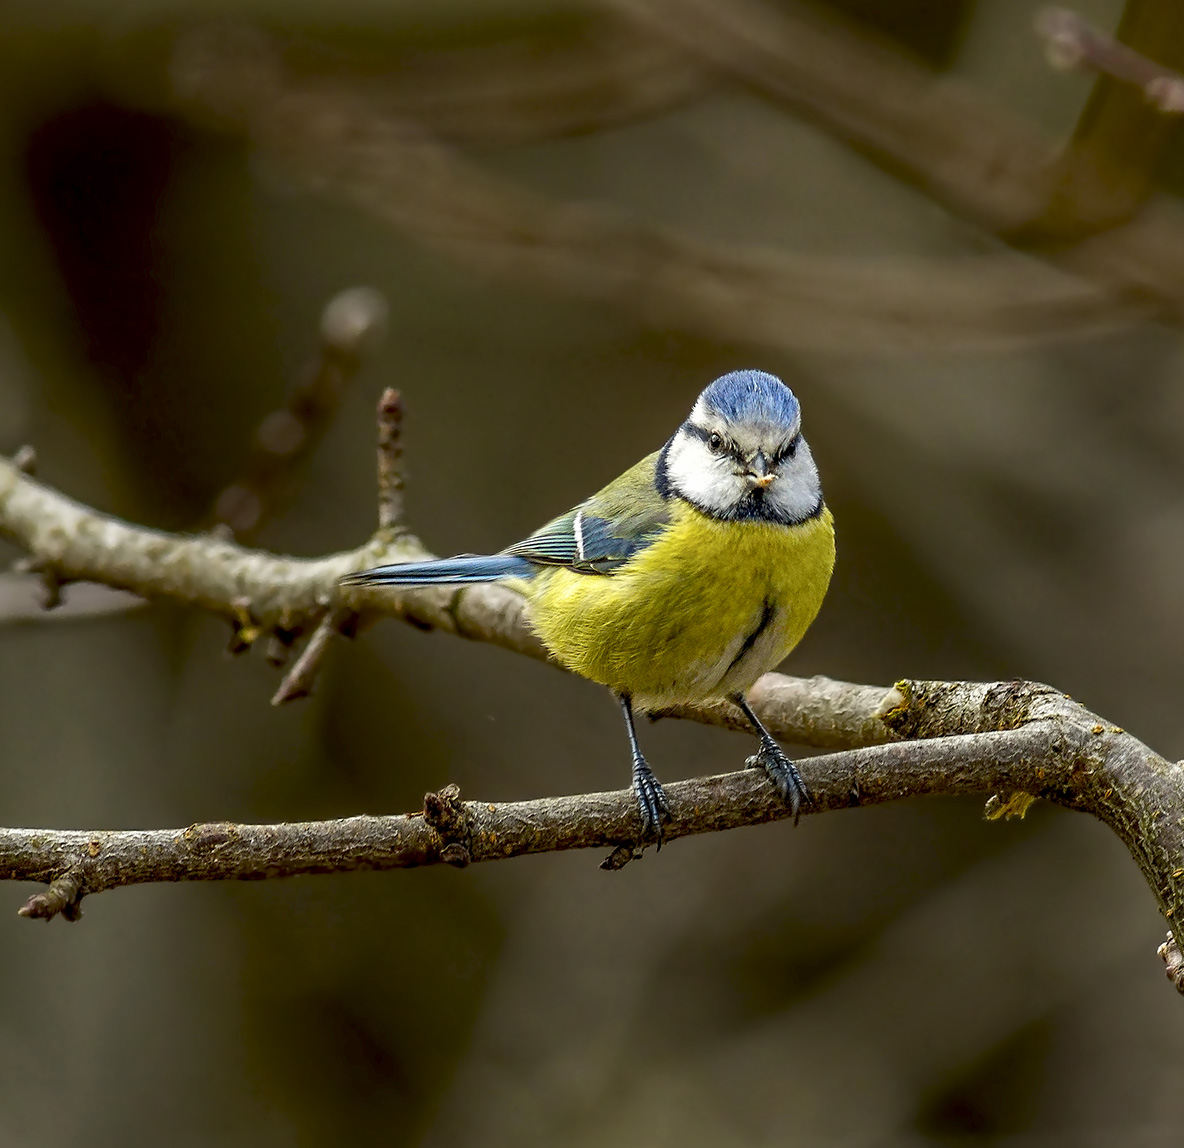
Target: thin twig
(26,459)
(1071,41)
(390,460)
(352,325)
(63,896)
(299,680)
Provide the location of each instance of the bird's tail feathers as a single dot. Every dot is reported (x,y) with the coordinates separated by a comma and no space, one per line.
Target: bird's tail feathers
(458,571)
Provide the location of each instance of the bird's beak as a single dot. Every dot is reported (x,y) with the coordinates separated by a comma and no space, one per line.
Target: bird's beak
(759,475)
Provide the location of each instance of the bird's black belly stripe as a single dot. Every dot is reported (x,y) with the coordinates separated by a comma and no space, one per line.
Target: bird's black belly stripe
(768,613)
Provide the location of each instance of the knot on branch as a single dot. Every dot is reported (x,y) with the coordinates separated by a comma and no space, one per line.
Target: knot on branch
(1007,705)
(206,836)
(621,856)
(51,581)
(936,709)
(1173,961)
(450,818)
(63,896)
(283,636)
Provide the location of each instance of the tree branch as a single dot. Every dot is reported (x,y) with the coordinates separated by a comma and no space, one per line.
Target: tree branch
(516,93)
(1126,126)
(450,831)
(298,682)
(397,170)
(1021,739)
(1017,740)
(960,147)
(1071,41)
(981,163)
(352,325)
(390,460)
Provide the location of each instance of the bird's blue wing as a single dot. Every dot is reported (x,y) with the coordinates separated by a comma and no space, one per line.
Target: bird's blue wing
(601,534)
(598,537)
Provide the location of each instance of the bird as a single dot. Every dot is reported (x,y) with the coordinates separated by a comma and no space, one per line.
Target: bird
(683,580)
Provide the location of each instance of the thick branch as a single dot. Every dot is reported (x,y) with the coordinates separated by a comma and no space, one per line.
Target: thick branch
(212,573)
(1050,748)
(487,831)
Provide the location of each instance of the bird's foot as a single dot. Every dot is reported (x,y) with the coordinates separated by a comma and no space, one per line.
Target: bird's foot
(783,774)
(651,802)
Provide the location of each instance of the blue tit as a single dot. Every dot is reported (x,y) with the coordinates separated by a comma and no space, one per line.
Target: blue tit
(686,578)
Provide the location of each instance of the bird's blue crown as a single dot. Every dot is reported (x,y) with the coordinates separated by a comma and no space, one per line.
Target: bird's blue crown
(752,396)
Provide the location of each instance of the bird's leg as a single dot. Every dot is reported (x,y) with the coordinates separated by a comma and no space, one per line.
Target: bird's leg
(651,801)
(775,762)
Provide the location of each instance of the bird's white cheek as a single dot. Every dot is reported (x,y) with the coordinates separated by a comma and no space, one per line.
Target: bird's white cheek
(705,480)
(796,494)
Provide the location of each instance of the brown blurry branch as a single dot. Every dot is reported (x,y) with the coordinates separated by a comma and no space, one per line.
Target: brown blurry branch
(954,144)
(1071,41)
(1128,122)
(352,325)
(1017,740)
(941,135)
(1102,256)
(524,92)
(342,141)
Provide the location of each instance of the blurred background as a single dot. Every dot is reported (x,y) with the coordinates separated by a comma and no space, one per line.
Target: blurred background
(969,265)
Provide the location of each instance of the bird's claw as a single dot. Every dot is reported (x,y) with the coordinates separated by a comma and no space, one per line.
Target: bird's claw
(783,774)
(651,803)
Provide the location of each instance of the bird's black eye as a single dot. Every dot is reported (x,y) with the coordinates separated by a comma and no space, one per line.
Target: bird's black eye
(715,442)
(789,449)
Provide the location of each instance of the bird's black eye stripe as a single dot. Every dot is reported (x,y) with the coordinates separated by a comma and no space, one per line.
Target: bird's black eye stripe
(715,441)
(789,449)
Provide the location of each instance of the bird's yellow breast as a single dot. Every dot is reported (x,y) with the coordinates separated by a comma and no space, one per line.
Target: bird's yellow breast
(700,613)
